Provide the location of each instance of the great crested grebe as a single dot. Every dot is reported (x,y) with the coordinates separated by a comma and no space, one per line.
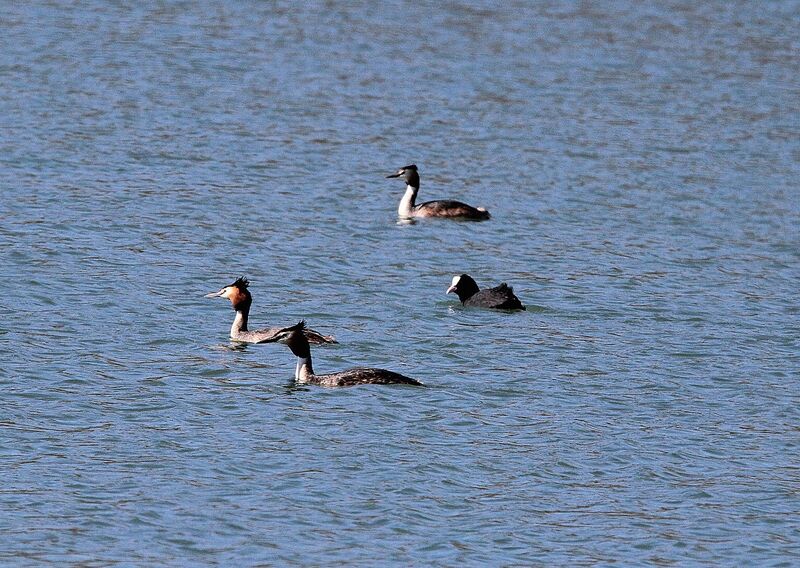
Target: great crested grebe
(295,338)
(442,208)
(241,299)
(500,297)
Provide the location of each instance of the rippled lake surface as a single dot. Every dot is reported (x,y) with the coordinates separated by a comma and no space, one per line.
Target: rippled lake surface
(641,164)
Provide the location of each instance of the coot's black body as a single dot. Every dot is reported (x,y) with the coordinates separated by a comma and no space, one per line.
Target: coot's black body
(500,297)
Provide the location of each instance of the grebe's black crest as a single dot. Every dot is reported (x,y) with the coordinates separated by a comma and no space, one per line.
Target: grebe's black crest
(242,283)
(284,332)
(403,170)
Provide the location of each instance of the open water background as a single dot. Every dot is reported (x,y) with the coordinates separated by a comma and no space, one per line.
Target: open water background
(641,164)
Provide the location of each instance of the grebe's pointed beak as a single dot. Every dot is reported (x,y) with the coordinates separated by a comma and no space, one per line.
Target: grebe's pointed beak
(215,294)
(397,175)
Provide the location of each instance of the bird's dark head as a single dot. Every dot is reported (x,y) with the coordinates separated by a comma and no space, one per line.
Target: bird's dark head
(409,174)
(295,338)
(464,286)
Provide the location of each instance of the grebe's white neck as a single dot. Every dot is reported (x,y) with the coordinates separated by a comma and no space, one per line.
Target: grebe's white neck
(406,207)
(239,323)
(304,371)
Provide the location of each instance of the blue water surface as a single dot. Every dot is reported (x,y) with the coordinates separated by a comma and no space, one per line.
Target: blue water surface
(641,164)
